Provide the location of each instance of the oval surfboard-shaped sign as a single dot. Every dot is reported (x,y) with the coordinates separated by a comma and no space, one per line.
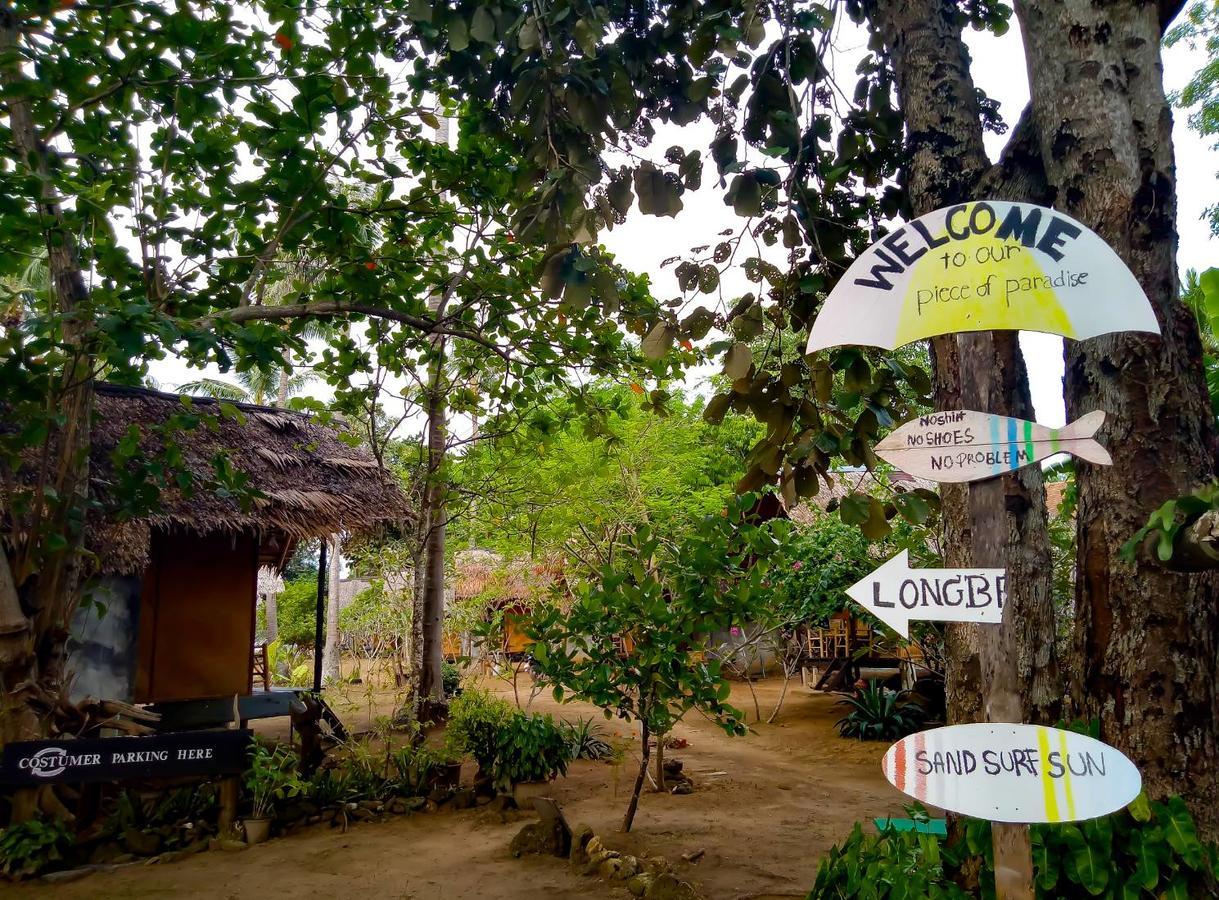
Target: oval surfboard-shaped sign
(1013,773)
(981,266)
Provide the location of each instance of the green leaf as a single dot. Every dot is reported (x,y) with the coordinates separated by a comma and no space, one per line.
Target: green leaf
(482,26)
(1181,834)
(738,361)
(658,341)
(459,34)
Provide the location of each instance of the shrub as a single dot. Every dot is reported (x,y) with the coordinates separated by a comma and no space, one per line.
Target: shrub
(878,714)
(296,613)
(33,846)
(531,748)
(585,741)
(509,746)
(450,678)
(1146,851)
(272,777)
(475,721)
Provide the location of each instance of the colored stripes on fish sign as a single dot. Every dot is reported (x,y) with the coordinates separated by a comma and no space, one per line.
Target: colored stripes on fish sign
(1055,811)
(901,767)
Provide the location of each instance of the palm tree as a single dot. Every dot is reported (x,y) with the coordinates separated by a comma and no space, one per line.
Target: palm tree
(253,386)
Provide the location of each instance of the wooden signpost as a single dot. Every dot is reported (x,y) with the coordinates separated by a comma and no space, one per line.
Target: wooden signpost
(897,594)
(212,752)
(966,270)
(963,445)
(1013,773)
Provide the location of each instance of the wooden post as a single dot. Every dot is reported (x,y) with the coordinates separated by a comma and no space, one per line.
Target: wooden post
(319,636)
(228,804)
(997,648)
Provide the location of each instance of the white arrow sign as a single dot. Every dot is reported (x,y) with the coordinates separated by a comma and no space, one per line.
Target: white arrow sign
(897,594)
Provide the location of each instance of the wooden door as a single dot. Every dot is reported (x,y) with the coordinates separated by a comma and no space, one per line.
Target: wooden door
(197,617)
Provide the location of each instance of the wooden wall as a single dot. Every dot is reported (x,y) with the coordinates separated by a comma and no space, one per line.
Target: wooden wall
(197,617)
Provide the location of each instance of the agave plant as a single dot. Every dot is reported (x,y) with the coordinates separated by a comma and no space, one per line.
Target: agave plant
(584,737)
(878,714)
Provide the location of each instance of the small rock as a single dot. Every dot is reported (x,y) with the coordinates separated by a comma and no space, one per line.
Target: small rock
(596,859)
(656,865)
(122,859)
(439,795)
(612,868)
(483,799)
(198,846)
(373,805)
(593,846)
(463,799)
(397,806)
(141,843)
(630,867)
(67,875)
(363,814)
(231,845)
(313,820)
(669,887)
(414,804)
(328,814)
(638,884)
(430,806)
(694,856)
(171,856)
(581,837)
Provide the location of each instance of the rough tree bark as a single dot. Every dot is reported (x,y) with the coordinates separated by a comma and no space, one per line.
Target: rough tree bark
(1146,637)
(430,683)
(947,163)
(46,584)
(331,663)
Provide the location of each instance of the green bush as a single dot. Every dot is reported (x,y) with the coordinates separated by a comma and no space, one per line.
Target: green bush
(296,611)
(531,748)
(450,678)
(271,778)
(509,746)
(475,721)
(1148,851)
(34,846)
(878,714)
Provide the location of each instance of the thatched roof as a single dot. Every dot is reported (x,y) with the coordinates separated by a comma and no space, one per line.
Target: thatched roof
(484,573)
(313,483)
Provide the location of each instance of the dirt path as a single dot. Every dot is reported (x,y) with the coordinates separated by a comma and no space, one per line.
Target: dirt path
(765,809)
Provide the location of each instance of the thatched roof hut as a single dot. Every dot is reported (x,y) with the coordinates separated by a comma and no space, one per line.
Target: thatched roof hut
(179,585)
(482,573)
(310,482)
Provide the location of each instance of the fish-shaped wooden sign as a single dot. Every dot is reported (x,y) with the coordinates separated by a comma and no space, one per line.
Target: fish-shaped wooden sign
(1012,773)
(964,445)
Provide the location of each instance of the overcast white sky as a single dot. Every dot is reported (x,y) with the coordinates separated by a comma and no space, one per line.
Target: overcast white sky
(644,241)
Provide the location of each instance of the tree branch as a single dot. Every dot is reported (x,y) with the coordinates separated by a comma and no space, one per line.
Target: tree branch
(327,308)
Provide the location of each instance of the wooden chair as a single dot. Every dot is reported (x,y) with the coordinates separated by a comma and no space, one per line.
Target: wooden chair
(838,637)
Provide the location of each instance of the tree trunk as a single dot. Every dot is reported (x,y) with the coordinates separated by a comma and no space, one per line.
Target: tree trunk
(1145,636)
(270,608)
(281,399)
(430,684)
(629,818)
(46,582)
(331,661)
(947,163)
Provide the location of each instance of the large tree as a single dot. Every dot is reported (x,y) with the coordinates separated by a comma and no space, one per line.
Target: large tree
(167,160)
(819,168)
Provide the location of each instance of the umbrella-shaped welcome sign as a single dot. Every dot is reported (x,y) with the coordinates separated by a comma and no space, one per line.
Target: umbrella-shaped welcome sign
(980,266)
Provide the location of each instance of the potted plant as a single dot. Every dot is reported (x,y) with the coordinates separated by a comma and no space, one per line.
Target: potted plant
(271,777)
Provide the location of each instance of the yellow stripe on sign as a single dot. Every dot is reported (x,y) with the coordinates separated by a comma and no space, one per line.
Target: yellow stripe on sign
(1066,776)
(1047,783)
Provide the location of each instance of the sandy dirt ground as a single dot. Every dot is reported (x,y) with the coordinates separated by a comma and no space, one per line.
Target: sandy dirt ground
(765,808)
